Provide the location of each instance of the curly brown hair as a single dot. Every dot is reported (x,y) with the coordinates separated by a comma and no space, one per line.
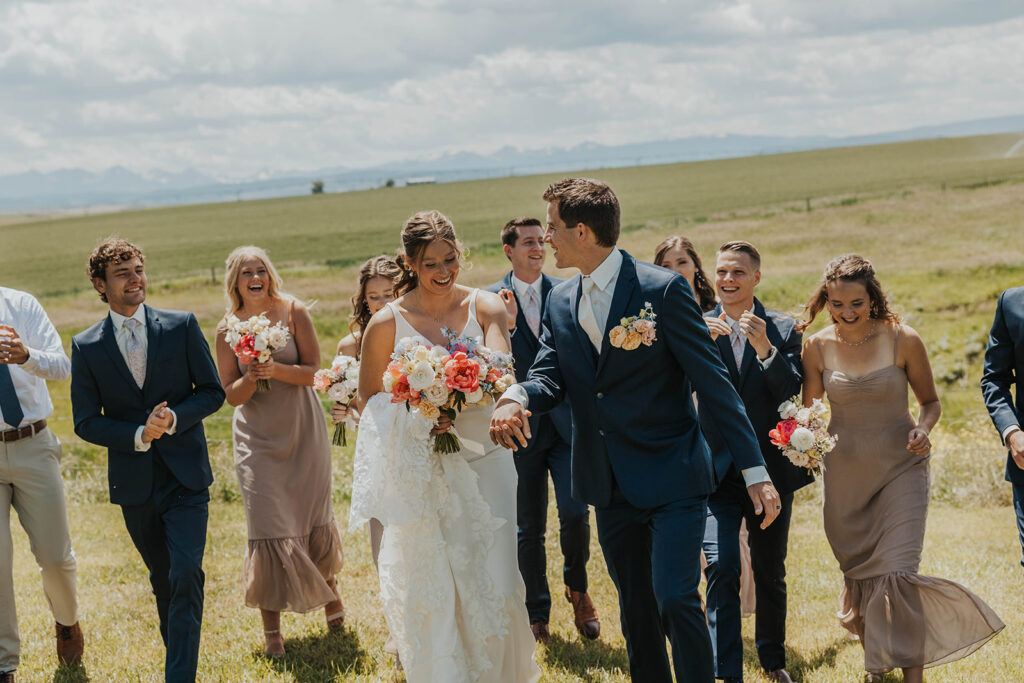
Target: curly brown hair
(849,268)
(703,290)
(109,251)
(587,201)
(420,230)
(378,266)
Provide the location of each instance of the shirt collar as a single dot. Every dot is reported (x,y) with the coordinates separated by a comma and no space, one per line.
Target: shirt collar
(521,286)
(118,320)
(608,270)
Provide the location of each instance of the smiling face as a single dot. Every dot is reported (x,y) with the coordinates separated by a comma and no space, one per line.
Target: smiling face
(736,278)
(565,241)
(849,303)
(379,290)
(124,284)
(437,267)
(679,260)
(527,256)
(253,283)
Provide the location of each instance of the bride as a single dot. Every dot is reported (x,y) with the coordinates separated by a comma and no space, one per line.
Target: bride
(453,597)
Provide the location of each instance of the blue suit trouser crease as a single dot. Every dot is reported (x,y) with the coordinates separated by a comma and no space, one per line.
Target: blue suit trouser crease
(653,559)
(1018,508)
(169,531)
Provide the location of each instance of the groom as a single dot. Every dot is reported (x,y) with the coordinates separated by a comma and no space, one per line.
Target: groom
(638,454)
(142,380)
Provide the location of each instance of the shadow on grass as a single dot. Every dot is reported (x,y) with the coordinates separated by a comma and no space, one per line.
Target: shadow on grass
(321,657)
(70,673)
(798,664)
(585,658)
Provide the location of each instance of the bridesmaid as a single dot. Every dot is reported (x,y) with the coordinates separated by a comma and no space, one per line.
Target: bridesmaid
(876,479)
(282,456)
(678,254)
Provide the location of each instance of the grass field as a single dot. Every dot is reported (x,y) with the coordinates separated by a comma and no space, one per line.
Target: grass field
(942,220)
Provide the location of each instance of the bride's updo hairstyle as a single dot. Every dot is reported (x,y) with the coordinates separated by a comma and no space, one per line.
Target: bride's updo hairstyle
(849,268)
(420,230)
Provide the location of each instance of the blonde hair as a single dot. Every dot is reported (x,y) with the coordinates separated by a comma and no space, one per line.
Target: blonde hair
(233,268)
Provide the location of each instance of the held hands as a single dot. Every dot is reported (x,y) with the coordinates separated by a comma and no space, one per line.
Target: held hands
(159,421)
(766,499)
(444,423)
(510,425)
(1016,443)
(756,331)
(341,412)
(511,308)
(918,442)
(12,349)
(717,326)
(256,370)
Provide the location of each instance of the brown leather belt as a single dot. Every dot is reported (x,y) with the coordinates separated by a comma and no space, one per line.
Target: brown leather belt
(23,433)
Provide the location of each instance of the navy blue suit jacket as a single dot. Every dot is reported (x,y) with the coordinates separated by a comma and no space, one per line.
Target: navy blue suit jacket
(525,346)
(108,405)
(634,420)
(1004,367)
(762,390)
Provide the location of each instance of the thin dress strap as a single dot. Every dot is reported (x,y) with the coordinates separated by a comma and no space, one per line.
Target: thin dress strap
(472,305)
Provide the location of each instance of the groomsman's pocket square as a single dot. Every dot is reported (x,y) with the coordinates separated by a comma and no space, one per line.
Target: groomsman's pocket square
(635,330)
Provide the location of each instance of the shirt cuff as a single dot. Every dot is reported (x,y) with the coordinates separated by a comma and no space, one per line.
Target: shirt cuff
(31,364)
(174,423)
(755,475)
(768,361)
(140,447)
(518,394)
(1009,430)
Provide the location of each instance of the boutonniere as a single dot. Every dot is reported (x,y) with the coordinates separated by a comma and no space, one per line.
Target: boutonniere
(635,330)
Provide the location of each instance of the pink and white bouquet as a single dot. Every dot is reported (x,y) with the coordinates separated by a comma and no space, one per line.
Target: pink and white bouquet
(802,434)
(341,384)
(441,380)
(255,339)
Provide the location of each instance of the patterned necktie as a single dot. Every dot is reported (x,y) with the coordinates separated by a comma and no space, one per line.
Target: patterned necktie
(532,312)
(737,344)
(136,356)
(588,320)
(9,403)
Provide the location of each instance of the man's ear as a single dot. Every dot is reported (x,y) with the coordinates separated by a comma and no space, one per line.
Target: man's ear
(757,277)
(100,285)
(583,230)
(508,251)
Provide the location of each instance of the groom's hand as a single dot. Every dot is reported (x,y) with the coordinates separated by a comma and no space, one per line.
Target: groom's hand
(510,425)
(766,499)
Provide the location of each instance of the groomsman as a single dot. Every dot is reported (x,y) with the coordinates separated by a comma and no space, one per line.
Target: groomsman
(142,380)
(525,291)
(30,481)
(638,454)
(761,350)
(1004,367)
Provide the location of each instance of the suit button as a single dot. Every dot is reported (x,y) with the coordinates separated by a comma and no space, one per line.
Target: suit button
(601,432)
(600,395)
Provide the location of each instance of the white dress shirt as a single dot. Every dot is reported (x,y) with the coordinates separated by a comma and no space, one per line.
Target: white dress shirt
(522,291)
(743,343)
(605,277)
(46,357)
(122,335)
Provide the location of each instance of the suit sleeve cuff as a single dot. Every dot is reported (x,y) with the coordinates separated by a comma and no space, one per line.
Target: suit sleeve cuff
(755,475)
(518,394)
(174,423)
(768,361)
(1008,431)
(140,447)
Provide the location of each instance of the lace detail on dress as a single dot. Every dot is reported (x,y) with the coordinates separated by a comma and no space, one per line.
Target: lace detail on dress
(438,531)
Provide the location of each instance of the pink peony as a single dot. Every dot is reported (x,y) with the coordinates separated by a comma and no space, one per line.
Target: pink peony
(462,373)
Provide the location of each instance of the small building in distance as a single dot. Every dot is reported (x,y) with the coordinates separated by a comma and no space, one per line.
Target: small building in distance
(424,180)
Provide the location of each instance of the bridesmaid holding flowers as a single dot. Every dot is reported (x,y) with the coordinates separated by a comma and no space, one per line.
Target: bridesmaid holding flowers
(282,455)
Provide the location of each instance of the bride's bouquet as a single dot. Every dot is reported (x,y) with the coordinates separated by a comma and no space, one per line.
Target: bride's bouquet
(255,339)
(341,384)
(802,434)
(438,380)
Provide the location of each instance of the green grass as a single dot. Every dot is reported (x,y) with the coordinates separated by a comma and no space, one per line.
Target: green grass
(943,253)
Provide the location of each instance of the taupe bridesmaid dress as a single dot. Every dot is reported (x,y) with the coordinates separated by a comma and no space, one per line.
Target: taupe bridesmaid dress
(875,505)
(283,463)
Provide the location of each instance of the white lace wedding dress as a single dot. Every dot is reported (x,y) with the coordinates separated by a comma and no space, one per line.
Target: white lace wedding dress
(453,597)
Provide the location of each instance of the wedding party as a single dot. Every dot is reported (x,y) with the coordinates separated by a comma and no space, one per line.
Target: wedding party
(479,343)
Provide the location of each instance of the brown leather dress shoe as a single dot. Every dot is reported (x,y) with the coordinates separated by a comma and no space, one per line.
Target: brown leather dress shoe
(540,631)
(779,676)
(70,644)
(584,614)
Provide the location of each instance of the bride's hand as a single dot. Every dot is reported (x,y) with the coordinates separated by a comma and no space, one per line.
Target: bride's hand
(444,423)
(918,442)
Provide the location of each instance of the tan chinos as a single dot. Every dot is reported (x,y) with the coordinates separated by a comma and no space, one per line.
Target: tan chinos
(31,483)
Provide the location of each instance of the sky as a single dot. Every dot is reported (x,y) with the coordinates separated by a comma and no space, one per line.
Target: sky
(239,89)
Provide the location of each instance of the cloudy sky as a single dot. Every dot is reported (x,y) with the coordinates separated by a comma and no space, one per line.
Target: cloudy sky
(236,88)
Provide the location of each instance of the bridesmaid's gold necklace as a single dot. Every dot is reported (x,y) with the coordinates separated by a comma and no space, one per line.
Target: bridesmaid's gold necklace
(868,337)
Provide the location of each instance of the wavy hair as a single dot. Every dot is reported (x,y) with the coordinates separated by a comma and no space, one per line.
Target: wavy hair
(849,268)
(233,268)
(420,230)
(378,266)
(703,290)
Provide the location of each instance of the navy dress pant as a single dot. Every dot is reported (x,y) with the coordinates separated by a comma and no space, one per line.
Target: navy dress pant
(169,531)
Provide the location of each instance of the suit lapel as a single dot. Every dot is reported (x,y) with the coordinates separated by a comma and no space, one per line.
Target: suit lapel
(108,339)
(624,300)
(575,293)
(153,336)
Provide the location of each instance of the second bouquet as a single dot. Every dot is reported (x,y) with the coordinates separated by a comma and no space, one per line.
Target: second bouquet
(443,379)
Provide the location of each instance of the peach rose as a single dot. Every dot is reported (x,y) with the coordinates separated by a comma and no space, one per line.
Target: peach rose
(617,336)
(632,341)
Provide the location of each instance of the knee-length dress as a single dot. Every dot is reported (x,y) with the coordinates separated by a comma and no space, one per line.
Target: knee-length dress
(875,506)
(283,463)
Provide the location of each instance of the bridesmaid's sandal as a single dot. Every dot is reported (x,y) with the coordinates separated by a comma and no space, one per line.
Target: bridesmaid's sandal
(274,646)
(336,620)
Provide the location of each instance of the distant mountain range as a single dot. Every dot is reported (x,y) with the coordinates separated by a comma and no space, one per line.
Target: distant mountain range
(118,187)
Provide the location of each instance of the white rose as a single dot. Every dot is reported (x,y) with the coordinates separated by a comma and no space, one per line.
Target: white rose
(802,439)
(439,355)
(260,343)
(352,373)
(278,337)
(503,383)
(232,338)
(389,382)
(421,375)
(799,459)
(475,396)
(787,410)
(422,353)
(818,407)
(803,416)
(436,393)
(339,392)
